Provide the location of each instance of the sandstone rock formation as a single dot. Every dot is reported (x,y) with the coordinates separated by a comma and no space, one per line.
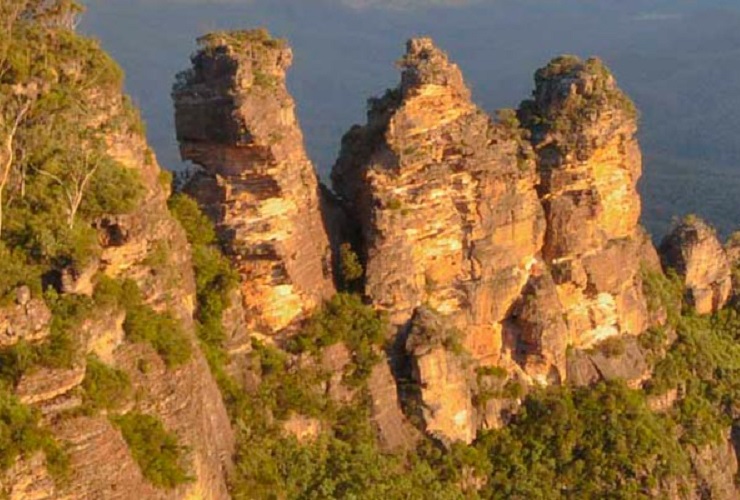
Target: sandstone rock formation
(446,202)
(186,399)
(28,319)
(442,372)
(235,119)
(526,240)
(694,251)
(583,131)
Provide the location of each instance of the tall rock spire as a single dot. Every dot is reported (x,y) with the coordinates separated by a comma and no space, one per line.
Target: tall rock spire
(583,131)
(445,199)
(236,119)
(451,227)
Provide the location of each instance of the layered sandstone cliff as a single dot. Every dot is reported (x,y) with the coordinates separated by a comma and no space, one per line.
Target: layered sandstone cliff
(236,119)
(446,201)
(583,131)
(149,247)
(524,240)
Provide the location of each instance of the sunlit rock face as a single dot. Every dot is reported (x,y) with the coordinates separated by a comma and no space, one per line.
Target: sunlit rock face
(694,252)
(445,200)
(236,119)
(583,131)
(443,375)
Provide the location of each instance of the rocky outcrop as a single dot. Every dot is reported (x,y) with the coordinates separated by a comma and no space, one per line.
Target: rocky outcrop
(149,247)
(538,332)
(694,252)
(27,319)
(523,238)
(443,374)
(583,131)
(616,358)
(445,200)
(395,432)
(715,469)
(236,119)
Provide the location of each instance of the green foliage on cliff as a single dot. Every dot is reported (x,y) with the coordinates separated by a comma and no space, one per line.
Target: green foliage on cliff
(704,365)
(215,279)
(569,111)
(664,292)
(157,451)
(582,443)
(105,387)
(59,105)
(240,39)
(350,267)
(161,330)
(347,320)
(21,436)
(59,351)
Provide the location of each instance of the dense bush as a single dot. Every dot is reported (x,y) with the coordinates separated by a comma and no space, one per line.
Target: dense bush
(586,443)
(704,364)
(350,267)
(345,319)
(106,388)
(20,435)
(60,350)
(214,280)
(59,175)
(161,330)
(663,292)
(157,451)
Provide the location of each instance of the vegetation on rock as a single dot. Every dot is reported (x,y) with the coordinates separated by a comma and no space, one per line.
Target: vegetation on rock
(106,388)
(22,436)
(157,451)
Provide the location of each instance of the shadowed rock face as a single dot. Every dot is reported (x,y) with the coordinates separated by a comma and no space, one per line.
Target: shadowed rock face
(235,119)
(694,251)
(446,202)
(583,131)
(732,247)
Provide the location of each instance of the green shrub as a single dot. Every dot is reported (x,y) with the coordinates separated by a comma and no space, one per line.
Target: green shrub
(15,270)
(198,227)
(159,455)
(111,292)
(586,443)
(215,279)
(704,363)
(350,266)
(287,389)
(345,319)
(60,350)
(491,371)
(663,292)
(20,435)
(106,388)
(114,189)
(161,330)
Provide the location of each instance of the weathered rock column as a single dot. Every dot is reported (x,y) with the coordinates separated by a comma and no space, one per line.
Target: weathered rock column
(236,119)
(583,130)
(446,201)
